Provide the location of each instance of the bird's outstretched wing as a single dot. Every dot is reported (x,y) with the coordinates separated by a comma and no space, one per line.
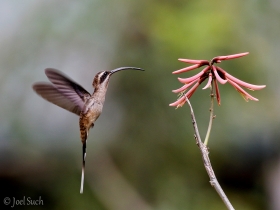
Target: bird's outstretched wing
(64,92)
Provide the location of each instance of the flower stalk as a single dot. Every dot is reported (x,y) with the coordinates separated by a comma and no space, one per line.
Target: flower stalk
(211,115)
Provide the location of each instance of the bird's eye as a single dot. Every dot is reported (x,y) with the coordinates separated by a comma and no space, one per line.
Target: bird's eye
(103,76)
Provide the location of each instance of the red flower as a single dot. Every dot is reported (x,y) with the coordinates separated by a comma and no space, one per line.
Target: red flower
(213,73)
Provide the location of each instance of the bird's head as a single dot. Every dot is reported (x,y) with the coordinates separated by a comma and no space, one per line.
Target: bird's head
(102,78)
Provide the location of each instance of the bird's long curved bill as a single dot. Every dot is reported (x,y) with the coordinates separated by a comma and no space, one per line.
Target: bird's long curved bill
(126,68)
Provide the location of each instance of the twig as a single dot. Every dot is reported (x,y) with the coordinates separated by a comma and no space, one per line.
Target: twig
(207,164)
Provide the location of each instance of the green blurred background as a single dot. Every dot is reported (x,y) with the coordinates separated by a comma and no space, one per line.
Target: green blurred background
(141,153)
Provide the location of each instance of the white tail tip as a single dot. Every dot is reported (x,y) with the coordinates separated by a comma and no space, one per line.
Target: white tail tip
(82,181)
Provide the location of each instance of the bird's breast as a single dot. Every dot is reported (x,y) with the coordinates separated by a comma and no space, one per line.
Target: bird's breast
(90,114)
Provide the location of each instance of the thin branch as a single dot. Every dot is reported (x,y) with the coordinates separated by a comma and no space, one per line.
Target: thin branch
(207,164)
(211,115)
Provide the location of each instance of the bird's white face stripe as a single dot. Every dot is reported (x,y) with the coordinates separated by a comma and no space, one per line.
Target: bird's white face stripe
(101,78)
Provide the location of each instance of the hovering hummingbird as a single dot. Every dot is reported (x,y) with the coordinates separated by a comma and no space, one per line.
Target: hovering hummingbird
(69,95)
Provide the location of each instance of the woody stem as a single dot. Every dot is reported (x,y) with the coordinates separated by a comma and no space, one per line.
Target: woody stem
(207,164)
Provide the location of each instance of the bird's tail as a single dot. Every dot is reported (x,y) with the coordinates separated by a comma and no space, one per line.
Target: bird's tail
(83,167)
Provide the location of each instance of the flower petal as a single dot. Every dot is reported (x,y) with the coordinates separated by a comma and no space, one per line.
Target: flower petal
(245,95)
(240,82)
(209,81)
(195,77)
(245,84)
(191,79)
(217,92)
(222,81)
(189,68)
(184,87)
(192,90)
(218,59)
(181,101)
(202,62)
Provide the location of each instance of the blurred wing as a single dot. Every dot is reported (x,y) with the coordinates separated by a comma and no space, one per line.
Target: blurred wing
(52,94)
(67,86)
(64,92)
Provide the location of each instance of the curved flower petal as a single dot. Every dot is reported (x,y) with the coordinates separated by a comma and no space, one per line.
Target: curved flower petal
(202,62)
(209,81)
(184,87)
(189,68)
(240,82)
(244,84)
(218,59)
(191,79)
(222,81)
(181,101)
(244,94)
(195,77)
(192,90)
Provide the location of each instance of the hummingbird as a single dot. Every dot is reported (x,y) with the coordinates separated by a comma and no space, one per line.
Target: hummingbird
(69,95)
